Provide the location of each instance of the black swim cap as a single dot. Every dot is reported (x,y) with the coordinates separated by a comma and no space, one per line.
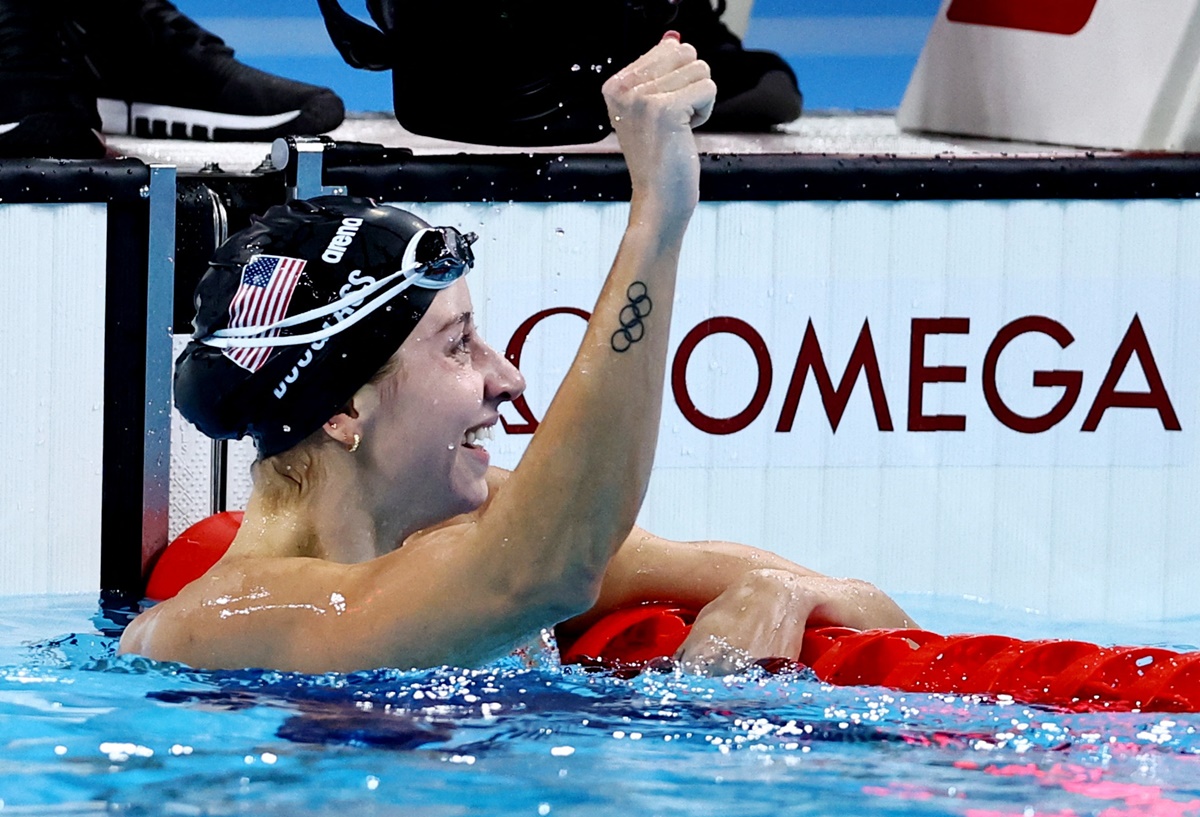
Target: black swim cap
(302,257)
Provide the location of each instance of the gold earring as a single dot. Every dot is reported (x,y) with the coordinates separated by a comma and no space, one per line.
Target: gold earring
(354,447)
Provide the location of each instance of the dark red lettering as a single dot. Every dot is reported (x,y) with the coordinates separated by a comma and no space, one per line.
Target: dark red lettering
(1135,342)
(513,353)
(862,359)
(1070,380)
(919,374)
(1050,16)
(716,326)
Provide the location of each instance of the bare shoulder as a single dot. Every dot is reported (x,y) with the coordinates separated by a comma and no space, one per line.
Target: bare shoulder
(440,598)
(242,613)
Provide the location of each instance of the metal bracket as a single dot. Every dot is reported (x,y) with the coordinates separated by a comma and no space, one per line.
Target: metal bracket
(302,159)
(160,298)
(219,475)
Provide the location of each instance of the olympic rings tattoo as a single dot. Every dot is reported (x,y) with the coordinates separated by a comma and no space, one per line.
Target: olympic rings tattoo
(632,329)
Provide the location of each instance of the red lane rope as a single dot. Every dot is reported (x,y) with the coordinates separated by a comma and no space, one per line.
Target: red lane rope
(1061,673)
(1074,675)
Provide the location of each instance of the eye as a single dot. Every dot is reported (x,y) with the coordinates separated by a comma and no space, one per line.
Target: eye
(463,345)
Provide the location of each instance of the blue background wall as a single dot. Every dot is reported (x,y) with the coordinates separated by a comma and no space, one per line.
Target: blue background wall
(848,54)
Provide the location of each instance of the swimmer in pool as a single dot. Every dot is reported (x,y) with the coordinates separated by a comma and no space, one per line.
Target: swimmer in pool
(340,336)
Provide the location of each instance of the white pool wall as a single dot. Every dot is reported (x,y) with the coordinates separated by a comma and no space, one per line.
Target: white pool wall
(52,360)
(1083,524)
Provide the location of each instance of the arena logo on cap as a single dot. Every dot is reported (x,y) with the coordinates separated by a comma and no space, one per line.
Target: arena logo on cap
(341,240)
(1065,17)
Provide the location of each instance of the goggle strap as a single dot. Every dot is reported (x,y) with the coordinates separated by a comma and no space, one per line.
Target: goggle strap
(412,272)
(313,314)
(308,337)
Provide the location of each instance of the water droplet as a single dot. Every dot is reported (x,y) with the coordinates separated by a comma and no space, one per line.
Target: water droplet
(575,67)
(559,231)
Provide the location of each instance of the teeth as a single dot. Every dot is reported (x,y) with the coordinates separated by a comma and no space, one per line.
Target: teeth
(477,435)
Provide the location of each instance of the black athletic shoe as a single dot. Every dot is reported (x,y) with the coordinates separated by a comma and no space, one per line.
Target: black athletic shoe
(158,74)
(756,90)
(44,110)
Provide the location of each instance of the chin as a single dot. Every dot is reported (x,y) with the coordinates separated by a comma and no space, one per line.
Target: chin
(476,496)
(465,498)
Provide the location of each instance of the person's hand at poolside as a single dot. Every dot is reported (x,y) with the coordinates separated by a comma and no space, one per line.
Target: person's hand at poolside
(765,613)
(654,103)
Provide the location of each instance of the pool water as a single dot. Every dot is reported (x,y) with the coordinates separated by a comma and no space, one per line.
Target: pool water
(83,731)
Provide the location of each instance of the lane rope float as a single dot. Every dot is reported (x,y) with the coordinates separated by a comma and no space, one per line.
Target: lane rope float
(191,554)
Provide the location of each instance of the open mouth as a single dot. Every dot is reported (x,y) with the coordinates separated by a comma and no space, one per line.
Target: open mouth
(476,437)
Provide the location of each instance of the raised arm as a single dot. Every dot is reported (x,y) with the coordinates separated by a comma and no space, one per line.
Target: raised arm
(575,496)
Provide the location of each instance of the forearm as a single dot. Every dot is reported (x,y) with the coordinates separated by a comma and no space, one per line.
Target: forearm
(750,603)
(601,430)
(650,568)
(599,435)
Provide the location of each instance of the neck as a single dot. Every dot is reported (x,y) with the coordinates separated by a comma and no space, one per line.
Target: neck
(318,500)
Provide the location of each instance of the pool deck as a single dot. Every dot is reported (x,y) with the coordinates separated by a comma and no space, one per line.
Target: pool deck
(856,134)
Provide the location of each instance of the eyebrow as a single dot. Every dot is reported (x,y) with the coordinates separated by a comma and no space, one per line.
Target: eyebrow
(464,319)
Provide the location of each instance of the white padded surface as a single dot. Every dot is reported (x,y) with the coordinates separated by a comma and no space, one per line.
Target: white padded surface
(52,356)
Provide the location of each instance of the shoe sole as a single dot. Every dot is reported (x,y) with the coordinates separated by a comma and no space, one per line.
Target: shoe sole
(150,121)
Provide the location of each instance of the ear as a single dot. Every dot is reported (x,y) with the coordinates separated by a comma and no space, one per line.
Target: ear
(341,426)
(350,420)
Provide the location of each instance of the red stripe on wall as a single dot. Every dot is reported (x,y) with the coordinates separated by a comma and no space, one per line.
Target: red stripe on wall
(1050,16)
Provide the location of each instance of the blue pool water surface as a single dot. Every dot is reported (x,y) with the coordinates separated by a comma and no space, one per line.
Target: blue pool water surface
(83,731)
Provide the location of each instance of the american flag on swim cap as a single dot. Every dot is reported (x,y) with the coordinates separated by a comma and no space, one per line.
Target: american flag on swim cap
(261,299)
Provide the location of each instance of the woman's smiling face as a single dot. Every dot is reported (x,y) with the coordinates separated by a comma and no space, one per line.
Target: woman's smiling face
(437,402)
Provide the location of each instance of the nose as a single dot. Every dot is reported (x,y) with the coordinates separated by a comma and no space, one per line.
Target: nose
(503,382)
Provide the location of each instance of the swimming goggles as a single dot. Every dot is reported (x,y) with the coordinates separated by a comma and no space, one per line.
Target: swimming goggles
(435,258)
